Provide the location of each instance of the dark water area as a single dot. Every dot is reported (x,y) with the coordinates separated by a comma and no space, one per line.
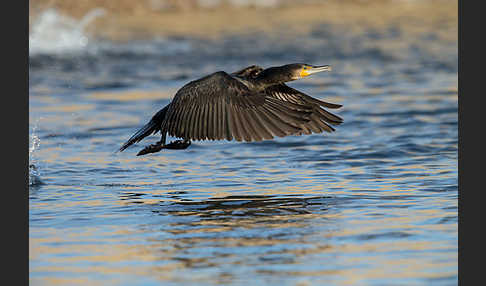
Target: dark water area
(374,203)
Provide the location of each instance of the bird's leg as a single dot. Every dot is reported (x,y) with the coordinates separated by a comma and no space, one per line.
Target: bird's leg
(178,144)
(174,145)
(152,148)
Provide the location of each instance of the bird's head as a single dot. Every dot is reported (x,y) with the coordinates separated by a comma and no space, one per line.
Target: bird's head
(299,71)
(290,72)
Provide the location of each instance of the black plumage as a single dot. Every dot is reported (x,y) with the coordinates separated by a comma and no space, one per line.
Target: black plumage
(252,104)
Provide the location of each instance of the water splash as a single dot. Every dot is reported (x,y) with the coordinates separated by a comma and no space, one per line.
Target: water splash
(34,170)
(54,33)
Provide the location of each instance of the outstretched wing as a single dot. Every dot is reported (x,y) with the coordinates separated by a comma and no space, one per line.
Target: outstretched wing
(219,107)
(319,120)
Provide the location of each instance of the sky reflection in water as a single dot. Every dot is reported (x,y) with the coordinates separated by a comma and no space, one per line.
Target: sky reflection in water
(373,203)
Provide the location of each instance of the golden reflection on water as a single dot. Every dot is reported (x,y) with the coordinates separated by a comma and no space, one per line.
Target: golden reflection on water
(122,244)
(133,95)
(190,215)
(67,108)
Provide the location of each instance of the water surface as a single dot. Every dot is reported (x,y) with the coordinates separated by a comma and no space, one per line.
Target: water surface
(374,203)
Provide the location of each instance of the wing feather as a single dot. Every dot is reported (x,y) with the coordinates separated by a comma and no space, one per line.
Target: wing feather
(220,107)
(200,120)
(204,121)
(197,124)
(217,120)
(227,122)
(209,122)
(259,125)
(180,119)
(235,127)
(279,128)
(190,120)
(319,119)
(252,125)
(249,133)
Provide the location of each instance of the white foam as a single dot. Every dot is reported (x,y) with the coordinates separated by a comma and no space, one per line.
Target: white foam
(54,33)
(34,171)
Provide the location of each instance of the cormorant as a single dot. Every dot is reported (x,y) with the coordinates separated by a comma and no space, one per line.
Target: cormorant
(252,104)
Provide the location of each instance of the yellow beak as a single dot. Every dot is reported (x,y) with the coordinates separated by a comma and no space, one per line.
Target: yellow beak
(314,69)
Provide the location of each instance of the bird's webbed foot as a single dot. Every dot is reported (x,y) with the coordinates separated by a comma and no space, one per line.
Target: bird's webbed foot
(174,145)
(178,145)
(152,148)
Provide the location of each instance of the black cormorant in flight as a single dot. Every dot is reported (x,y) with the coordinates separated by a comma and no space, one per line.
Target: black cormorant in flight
(252,104)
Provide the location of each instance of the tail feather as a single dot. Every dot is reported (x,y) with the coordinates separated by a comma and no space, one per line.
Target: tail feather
(152,127)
